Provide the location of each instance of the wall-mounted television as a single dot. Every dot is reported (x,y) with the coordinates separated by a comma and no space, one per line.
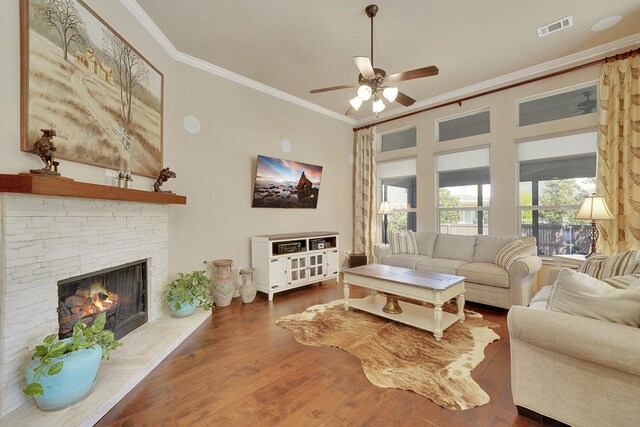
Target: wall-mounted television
(286,184)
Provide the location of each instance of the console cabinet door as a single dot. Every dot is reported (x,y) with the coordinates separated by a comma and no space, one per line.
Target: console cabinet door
(277,273)
(332,262)
(297,269)
(316,266)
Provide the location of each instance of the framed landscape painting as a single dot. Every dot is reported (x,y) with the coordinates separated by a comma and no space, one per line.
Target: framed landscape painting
(82,79)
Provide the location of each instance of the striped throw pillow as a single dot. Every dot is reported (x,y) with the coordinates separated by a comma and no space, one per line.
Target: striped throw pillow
(403,243)
(603,266)
(622,282)
(513,252)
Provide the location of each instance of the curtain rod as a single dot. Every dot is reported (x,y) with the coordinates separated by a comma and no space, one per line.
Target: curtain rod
(615,57)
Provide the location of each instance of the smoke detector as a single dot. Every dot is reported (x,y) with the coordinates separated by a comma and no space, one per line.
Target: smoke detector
(560,24)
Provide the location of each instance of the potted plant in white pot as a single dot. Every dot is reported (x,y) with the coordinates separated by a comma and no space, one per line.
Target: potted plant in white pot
(62,372)
(188,292)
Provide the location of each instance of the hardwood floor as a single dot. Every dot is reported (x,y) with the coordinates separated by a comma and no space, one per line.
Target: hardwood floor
(239,368)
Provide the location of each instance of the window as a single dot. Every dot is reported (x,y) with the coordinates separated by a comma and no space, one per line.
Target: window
(460,127)
(572,103)
(398,187)
(555,176)
(398,140)
(464,191)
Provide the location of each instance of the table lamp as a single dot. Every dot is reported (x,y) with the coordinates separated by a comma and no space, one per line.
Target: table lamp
(385,209)
(594,208)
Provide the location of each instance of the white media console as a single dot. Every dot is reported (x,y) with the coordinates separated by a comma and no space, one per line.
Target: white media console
(287,261)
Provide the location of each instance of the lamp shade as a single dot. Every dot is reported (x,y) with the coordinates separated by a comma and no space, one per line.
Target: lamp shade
(356,102)
(364,92)
(594,208)
(378,105)
(385,208)
(390,93)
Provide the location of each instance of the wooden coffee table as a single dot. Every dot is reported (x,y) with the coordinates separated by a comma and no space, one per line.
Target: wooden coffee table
(434,288)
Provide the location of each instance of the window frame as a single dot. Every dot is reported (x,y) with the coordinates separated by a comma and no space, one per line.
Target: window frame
(536,209)
(382,197)
(440,120)
(550,93)
(480,208)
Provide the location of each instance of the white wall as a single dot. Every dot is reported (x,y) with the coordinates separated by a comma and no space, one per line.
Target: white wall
(215,168)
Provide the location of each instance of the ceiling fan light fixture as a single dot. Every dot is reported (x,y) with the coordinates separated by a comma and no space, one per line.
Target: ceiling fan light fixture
(390,93)
(355,103)
(378,106)
(364,92)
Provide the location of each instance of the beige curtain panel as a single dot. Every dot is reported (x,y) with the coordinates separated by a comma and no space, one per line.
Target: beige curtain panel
(365,215)
(619,153)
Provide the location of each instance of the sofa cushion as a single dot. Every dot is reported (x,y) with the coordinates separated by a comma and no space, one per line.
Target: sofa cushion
(454,246)
(403,260)
(403,243)
(484,273)
(513,252)
(603,266)
(580,294)
(440,265)
(426,241)
(487,247)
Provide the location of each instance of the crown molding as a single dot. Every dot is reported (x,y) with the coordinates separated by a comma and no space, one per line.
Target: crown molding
(138,12)
(558,64)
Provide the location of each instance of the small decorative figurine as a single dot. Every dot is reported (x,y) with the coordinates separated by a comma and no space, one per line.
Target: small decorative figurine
(45,149)
(165,174)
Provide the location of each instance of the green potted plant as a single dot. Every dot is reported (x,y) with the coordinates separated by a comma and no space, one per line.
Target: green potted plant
(188,292)
(62,372)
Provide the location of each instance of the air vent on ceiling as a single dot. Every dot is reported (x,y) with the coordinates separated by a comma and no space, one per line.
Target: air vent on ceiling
(555,26)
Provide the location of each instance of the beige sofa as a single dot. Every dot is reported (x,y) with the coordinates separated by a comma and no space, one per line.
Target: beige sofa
(474,258)
(577,370)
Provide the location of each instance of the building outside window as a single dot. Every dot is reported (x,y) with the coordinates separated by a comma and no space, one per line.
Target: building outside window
(398,187)
(556,174)
(464,192)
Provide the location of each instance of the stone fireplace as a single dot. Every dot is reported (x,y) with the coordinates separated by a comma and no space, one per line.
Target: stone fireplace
(47,240)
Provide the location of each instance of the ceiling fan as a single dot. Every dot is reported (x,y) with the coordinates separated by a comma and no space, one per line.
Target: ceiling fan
(374,82)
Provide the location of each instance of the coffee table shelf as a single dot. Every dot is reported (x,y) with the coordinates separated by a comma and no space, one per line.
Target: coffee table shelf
(418,316)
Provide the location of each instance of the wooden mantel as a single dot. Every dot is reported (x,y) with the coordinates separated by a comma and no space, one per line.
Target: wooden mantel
(64,187)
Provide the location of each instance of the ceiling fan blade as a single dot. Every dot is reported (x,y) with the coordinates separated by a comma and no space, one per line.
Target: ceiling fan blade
(414,74)
(327,89)
(364,65)
(405,100)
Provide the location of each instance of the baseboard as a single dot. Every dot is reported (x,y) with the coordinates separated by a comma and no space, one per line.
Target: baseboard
(544,420)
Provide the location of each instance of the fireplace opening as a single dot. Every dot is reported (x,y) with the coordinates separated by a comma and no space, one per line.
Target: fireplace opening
(120,292)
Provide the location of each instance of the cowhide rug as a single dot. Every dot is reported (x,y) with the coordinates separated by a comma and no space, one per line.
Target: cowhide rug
(394,355)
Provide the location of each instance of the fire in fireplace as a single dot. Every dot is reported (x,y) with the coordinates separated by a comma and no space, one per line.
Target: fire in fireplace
(120,292)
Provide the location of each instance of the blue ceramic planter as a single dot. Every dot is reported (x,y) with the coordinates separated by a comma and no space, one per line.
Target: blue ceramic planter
(72,383)
(186,309)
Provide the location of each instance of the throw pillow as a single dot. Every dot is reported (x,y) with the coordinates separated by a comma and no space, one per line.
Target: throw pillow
(487,247)
(622,282)
(403,243)
(603,266)
(513,252)
(582,295)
